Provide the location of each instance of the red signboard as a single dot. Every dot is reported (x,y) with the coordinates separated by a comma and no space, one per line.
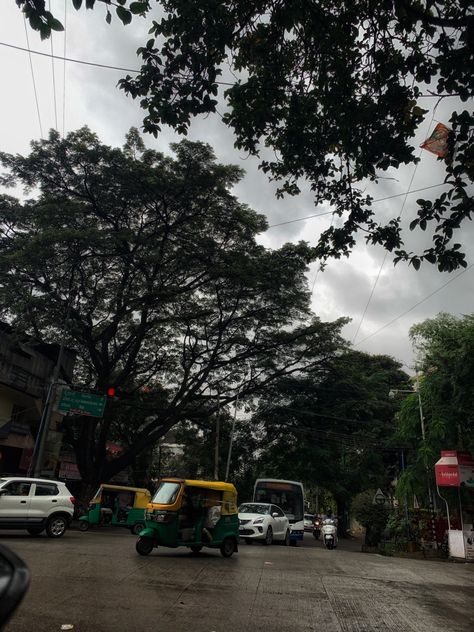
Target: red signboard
(455,469)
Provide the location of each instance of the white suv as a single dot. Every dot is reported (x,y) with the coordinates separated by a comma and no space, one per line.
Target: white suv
(35,504)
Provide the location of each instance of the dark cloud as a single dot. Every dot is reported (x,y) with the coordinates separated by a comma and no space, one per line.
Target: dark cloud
(344,288)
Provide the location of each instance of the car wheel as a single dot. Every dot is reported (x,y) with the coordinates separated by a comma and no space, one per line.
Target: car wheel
(196,548)
(144,546)
(287,538)
(83,525)
(56,526)
(269,536)
(228,547)
(293,543)
(35,530)
(137,527)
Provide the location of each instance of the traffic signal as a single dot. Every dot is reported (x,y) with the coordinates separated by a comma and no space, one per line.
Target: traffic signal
(111,391)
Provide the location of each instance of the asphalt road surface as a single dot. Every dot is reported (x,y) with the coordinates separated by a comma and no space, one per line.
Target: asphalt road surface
(96,582)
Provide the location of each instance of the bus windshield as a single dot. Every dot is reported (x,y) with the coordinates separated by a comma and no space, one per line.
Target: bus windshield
(288,496)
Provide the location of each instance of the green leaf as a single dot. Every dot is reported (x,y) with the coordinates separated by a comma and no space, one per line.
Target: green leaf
(90,4)
(77,4)
(108,17)
(55,25)
(416,263)
(124,15)
(138,7)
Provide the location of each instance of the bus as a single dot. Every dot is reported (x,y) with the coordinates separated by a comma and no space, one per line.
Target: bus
(289,496)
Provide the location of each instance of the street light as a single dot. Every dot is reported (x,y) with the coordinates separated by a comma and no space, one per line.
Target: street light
(416,391)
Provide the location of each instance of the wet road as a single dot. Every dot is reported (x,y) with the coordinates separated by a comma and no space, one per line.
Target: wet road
(95,581)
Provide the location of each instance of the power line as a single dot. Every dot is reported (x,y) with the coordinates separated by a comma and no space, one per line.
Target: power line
(135,70)
(64,68)
(54,78)
(70,59)
(388,197)
(33,76)
(369,300)
(374,333)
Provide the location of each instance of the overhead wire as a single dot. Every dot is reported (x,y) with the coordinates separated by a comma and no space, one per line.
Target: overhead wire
(377,278)
(33,77)
(407,311)
(388,197)
(64,68)
(54,78)
(137,71)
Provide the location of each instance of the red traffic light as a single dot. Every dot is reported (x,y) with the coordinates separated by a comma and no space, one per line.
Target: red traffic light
(111,391)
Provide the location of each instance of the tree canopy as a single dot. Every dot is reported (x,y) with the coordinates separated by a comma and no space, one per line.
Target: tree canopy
(334,428)
(446,348)
(334,89)
(148,265)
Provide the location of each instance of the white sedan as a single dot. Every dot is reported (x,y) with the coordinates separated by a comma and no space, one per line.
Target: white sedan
(263,521)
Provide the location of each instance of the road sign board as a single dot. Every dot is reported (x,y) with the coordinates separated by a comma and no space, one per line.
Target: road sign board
(81,403)
(379,498)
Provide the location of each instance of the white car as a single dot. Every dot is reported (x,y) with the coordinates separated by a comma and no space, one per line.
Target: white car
(36,505)
(263,521)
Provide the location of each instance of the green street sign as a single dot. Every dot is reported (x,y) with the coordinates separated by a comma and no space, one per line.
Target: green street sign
(81,403)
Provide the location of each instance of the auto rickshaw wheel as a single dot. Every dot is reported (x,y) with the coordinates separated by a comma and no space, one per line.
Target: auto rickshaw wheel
(228,547)
(286,541)
(84,525)
(144,546)
(137,527)
(196,548)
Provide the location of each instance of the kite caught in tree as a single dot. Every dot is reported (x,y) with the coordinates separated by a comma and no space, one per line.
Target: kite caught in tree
(437,143)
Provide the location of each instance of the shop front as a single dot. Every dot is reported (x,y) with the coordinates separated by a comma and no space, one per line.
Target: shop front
(455,484)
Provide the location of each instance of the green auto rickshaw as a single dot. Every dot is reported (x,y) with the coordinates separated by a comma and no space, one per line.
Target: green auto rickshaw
(191,513)
(118,506)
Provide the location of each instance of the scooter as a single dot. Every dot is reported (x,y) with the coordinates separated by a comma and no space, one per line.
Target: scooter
(329,533)
(316,529)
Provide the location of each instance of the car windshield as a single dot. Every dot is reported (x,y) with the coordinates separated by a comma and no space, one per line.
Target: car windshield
(166,493)
(308,516)
(254,508)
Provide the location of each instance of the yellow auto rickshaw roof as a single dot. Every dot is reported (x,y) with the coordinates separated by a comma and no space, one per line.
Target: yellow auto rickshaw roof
(218,485)
(124,488)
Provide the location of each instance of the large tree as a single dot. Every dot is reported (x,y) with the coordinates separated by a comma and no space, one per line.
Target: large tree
(446,389)
(332,87)
(149,268)
(334,428)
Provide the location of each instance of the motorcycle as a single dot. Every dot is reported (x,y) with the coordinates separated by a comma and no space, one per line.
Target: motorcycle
(329,533)
(316,529)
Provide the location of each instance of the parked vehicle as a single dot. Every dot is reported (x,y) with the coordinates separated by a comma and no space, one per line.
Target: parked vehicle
(191,513)
(308,522)
(329,533)
(316,527)
(36,505)
(265,522)
(289,496)
(118,506)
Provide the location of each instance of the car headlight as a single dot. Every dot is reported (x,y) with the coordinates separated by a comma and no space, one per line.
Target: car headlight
(258,521)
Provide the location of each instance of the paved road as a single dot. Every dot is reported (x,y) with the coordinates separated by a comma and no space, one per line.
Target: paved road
(96,582)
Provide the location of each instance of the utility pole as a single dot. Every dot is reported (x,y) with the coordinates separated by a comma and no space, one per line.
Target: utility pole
(231,440)
(36,463)
(216,450)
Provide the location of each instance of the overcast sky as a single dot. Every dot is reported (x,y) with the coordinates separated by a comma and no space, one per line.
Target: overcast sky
(89,96)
